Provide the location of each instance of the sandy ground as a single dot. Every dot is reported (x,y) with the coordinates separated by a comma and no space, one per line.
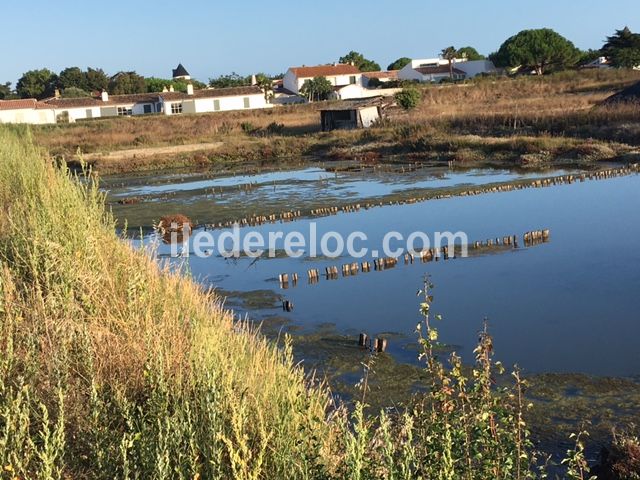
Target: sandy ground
(151,151)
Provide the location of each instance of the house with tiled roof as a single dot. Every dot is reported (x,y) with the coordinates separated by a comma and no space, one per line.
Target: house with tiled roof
(27,110)
(434,70)
(63,110)
(338,74)
(382,77)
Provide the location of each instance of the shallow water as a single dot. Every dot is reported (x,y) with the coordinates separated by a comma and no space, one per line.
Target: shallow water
(569,305)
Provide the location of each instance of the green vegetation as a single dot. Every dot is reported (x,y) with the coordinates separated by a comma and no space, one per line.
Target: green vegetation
(37,84)
(541,50)
(111,367)
(316,89)
(364,64)
(470,54)
(399,63)
(123,83)
(623,48)
(409,98)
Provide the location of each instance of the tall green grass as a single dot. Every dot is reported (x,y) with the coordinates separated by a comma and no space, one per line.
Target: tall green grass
(113,368)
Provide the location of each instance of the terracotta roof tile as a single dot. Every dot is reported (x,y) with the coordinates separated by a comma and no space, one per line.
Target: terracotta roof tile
(325,70)
(18,104)
(388,74)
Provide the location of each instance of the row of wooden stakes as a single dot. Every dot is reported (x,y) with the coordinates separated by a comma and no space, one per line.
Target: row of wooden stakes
(427,255)
(479,190)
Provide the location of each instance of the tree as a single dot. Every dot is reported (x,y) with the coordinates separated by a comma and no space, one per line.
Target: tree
(540,50)
(5,90)
(623,49)
(588,56)
(399,63)
(231,80)
(318,88)
(72,77)
(470,54)
(449,54)
(364,64)
(97,80)
(127,82)
(74,92)
(266,85)
(409,98)
(37,84)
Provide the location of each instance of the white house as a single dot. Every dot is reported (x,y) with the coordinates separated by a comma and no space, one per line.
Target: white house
(434,70)
(25,111)
(70,110)
(473,68)
(382,77)
(339,74)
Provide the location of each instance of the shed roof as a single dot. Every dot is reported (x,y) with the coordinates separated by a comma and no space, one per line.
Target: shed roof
(325,70)
(353,104)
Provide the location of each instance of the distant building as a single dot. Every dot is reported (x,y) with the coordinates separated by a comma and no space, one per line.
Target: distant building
(382,77)
(180,73)
(434,70)
(600,62)
(339,74)
(63,110)
(351,114)
(25,111)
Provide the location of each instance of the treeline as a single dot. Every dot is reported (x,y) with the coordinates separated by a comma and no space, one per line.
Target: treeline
(73,82)
(537,50)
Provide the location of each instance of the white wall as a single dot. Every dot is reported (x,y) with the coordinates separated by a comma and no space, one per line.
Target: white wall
(28,115)
(368,116)
(204,105)
(294,84)
(349,91)
(475,67)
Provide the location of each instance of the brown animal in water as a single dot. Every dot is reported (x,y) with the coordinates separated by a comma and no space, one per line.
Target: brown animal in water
(174,223)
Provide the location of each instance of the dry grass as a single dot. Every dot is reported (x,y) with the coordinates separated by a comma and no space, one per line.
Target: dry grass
(563,105)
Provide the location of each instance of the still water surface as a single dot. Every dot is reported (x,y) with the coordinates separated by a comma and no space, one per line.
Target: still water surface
(570,305)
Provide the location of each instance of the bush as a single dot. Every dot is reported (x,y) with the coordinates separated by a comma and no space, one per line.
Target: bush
(408,98)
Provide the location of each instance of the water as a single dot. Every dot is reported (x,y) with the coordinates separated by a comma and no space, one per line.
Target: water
(570,305)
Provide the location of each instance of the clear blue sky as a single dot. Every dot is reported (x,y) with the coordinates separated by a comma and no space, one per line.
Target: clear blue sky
(246,36)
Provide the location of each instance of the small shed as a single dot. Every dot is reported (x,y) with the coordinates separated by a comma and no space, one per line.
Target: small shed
(348,115)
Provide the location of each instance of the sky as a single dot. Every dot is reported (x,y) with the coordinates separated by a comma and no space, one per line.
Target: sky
(246,36)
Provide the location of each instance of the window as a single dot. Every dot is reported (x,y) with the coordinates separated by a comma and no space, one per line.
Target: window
(247,102)
(352,79)
(124,111)
(216,105)
(147,108)
(176,108)
(89,113)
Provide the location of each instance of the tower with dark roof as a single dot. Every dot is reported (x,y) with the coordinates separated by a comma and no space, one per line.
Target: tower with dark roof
(180,73)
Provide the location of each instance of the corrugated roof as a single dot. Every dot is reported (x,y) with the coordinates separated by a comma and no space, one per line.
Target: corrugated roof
(354,104)
(325,70)
(437,70)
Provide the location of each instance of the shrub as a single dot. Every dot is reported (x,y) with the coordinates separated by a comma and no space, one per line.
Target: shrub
(409,98)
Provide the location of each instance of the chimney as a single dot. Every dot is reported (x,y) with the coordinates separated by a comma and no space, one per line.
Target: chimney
(165,89)
(189,89)
(253,80)
(171,88)
(56,93)
(105,96)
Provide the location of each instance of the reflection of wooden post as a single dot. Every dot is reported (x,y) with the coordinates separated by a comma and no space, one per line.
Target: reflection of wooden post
(362,341)
(379,345)
(287,305)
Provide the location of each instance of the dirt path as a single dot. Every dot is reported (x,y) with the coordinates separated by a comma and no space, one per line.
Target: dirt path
(151,151)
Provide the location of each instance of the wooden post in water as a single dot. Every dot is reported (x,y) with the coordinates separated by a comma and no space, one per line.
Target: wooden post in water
(362,341)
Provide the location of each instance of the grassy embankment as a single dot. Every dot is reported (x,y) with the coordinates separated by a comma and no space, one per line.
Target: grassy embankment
(113,368)
(526,120)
